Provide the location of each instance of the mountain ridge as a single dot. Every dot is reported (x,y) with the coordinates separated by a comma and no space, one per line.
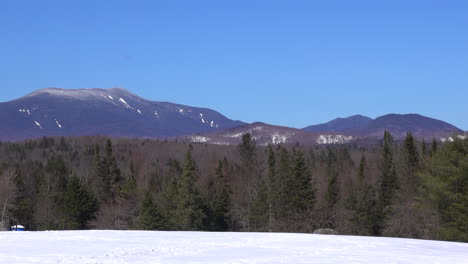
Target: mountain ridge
(113,112)
(117,112)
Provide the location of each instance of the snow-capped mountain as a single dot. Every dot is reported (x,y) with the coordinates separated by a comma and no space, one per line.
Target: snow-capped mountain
(112,112)
(398,125)
(265,134)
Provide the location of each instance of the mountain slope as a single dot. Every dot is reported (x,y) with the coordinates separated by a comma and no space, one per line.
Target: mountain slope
(340,124)
(112,112)
(265,134)
(399,125)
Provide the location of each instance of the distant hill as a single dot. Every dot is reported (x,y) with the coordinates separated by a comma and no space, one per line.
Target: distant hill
(340,124)
(116,112)
(112,112)
(397,124)
(265,134)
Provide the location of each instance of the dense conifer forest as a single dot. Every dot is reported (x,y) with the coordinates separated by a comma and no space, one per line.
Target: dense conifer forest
(385,188)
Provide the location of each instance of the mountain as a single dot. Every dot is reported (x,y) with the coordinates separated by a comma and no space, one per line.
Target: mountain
(397,124)
(340,124)
(112,112)
(265,134)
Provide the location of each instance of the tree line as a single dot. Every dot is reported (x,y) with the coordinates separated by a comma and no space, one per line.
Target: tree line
(390,188)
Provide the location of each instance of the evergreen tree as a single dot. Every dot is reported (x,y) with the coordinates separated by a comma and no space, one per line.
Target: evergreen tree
(219,201)
(107,172)
(423,148)
(23,208)
(300,193)
(331,196)
(445,184)
(361,168)
(412,155)
(272,187)
(249,174)
(388,183)
(259,212)
(191,209)
(433,146)
(79,206)
(129,186)
(151,217)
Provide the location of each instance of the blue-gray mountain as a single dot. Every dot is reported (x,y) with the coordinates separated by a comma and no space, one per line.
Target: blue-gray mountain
(398,125)
(117,112)
(113,112)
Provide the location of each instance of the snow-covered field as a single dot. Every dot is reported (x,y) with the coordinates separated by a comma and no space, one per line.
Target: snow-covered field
(203,247)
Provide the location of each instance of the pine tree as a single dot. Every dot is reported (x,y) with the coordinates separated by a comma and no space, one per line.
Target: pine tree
(191,209)
(79,206)
(107,172)
(221,202)
(300,192)
(272,187)
(445,188)
(423,148)
(23,205)
(361,168)
(249,173)
(151,216)
(433,147)
(388,184)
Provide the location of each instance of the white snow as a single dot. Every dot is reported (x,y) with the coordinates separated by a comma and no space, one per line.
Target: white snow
(110,97)
(125,103)
(209,247)
(156,114)
(58,124)
(212,124)
(334,139)
(138,110)
(199,139)
(181,110)
(202,120)
(37,124)
(24,111)
(450,139)
(278,139)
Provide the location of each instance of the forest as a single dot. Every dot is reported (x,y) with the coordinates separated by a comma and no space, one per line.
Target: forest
(385,187)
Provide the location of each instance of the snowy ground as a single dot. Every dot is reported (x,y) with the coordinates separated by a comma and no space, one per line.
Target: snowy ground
(203,247)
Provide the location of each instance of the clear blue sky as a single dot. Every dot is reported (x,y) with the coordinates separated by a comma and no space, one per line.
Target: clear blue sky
(292,63)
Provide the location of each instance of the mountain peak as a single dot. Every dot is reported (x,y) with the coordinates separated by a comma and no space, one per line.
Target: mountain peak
(97,111)
(81,93)
(340,123)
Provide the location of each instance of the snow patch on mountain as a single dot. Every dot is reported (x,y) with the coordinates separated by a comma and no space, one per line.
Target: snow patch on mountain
(278,139)
(38,124)
(333,139)
(25,111)
(58,124)
(198,139)
(125,103)
(201,116)
(138,110)
(451,139)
